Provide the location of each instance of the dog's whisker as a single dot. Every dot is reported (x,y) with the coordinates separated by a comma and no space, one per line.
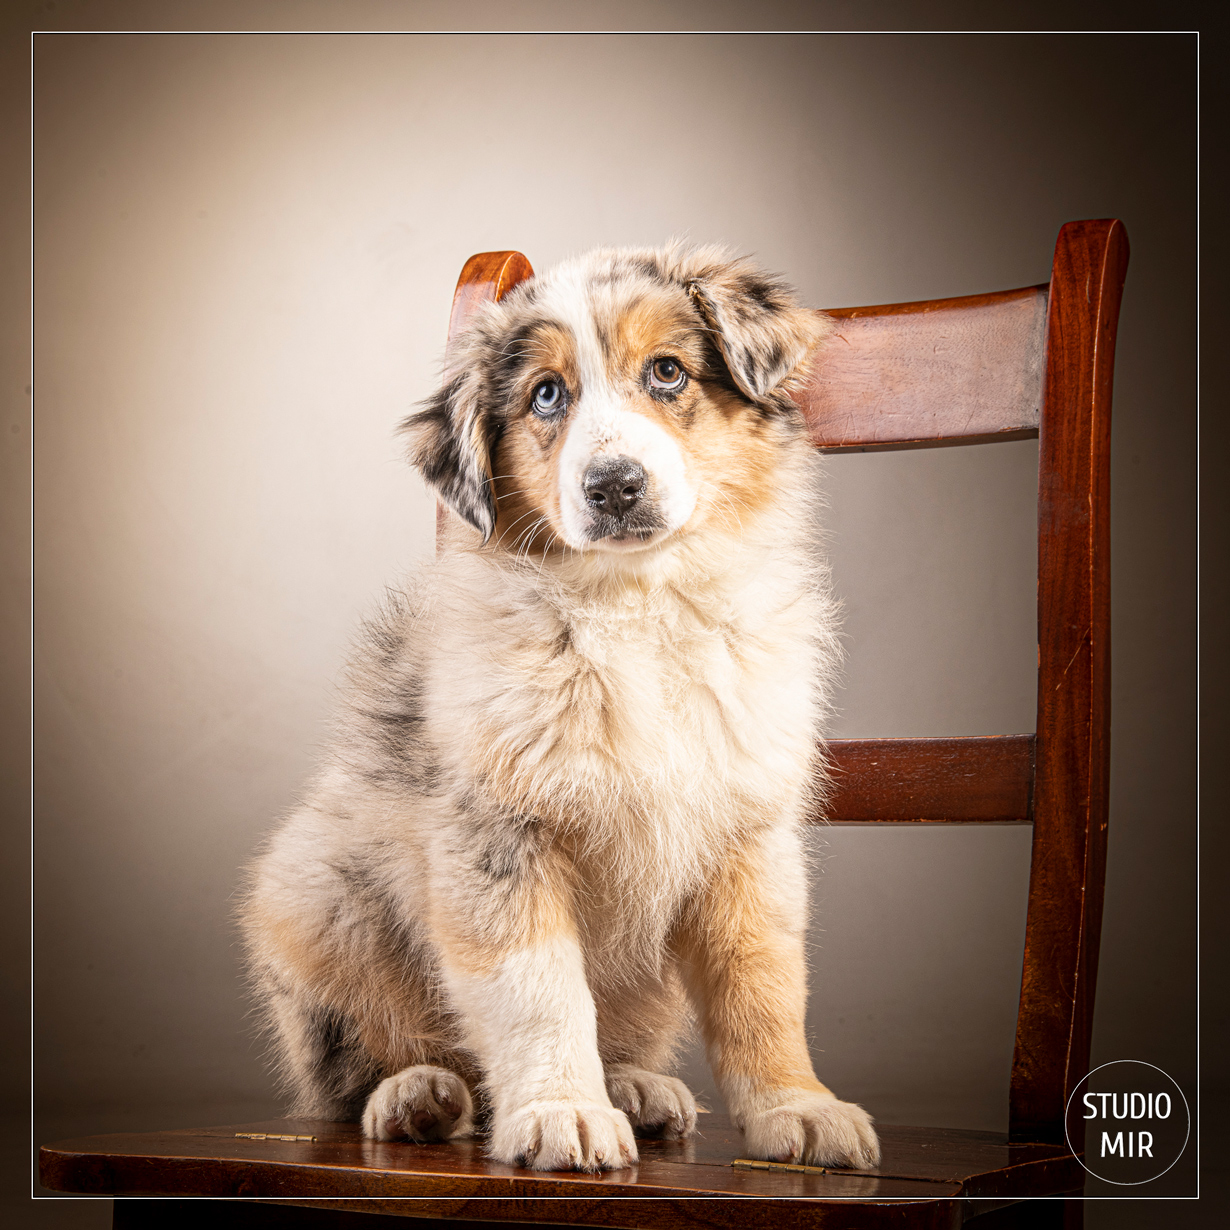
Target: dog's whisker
(734,510)
(528,536)
(523,516)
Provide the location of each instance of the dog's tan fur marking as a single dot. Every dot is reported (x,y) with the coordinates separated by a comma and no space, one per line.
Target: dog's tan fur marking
(526,505)
(654,325)
(745,965)
(573,755)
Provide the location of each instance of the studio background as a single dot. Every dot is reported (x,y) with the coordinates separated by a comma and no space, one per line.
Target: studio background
(245,250)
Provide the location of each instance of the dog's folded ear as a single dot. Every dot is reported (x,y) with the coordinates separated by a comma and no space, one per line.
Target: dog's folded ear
(449,445)
(763,336)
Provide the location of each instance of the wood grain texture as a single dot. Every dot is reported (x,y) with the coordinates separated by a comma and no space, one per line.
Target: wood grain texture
(919,1164)
(1067,872)
(973,780)
(485,278)
(917,375)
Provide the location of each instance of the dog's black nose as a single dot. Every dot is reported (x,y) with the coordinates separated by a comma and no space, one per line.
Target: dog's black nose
(613,484)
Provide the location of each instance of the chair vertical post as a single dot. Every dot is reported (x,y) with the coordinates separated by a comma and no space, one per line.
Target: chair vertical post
(1071,780)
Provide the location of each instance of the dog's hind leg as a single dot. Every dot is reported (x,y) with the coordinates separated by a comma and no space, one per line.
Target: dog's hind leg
(321,1061)
(333,1075)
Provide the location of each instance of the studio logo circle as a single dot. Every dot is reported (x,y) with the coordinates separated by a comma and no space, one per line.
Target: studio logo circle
(1134,1119)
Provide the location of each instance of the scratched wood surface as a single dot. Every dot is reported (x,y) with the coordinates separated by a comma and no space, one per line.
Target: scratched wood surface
(920,1164)
(1071,784)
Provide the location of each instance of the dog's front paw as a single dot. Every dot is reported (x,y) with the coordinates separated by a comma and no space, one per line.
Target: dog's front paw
(422,1103)
(652,1102)
(815,1129)
(564,1136)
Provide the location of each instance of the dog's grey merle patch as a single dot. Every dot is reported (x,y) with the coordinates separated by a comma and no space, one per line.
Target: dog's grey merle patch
(508,854)
(445,454)
(332,1073)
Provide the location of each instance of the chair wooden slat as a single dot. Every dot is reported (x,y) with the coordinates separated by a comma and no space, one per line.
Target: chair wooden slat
(919,375)
(974,780)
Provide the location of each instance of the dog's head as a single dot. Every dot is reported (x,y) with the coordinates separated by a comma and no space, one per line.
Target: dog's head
(618,400)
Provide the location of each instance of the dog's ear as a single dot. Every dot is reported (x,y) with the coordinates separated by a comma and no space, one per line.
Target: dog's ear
(763,336)
(450,445)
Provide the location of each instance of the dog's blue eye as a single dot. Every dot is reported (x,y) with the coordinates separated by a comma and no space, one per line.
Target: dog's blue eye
(667,375)
(548,398)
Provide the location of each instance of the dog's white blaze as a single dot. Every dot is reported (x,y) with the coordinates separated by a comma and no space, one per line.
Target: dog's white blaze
(602,425)
(533,1024)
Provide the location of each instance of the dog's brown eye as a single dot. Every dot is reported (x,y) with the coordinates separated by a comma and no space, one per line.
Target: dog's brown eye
(548,398)
(667,375)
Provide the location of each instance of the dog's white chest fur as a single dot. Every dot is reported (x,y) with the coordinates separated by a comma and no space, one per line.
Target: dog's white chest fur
(638,698)
(644,725)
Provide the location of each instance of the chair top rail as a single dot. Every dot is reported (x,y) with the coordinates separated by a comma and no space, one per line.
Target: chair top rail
(929,374)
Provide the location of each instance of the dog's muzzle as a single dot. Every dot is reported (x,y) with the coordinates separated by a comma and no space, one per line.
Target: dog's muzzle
(616,494)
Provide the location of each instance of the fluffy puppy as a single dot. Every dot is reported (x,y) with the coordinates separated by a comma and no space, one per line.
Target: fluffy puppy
(562,808)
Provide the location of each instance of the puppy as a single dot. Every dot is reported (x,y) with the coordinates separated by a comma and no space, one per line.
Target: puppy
(561,812)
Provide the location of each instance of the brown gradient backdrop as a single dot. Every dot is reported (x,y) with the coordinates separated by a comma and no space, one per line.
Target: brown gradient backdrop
(245,251)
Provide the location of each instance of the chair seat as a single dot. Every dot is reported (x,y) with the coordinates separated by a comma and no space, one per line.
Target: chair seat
(937,1169)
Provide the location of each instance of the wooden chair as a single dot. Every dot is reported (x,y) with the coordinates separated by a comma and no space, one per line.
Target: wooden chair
(1019,363)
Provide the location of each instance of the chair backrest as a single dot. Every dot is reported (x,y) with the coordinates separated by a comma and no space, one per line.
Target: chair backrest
(1006,366)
